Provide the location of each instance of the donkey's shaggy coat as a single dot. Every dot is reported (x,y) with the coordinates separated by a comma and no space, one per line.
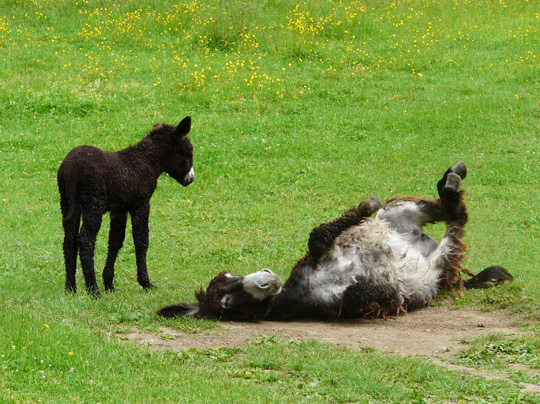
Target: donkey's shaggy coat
(92,182)
(357,266)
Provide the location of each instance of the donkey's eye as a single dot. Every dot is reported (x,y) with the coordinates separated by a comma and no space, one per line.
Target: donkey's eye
(226,302)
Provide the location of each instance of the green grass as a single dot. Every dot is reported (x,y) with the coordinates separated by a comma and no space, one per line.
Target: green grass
(300,111)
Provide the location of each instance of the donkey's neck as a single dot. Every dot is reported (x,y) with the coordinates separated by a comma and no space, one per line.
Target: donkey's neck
(287,304)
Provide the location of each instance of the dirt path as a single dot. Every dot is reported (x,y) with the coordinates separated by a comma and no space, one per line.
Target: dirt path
(433,332)
(429,332)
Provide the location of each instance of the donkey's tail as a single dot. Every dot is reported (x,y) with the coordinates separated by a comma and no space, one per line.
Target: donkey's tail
(491,276)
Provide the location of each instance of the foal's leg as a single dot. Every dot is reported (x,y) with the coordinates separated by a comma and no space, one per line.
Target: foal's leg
(322,237)
(87,243)
(117,234)
(139,222)
(71,222)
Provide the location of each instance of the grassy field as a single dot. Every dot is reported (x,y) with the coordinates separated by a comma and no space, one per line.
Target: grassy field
(300,110)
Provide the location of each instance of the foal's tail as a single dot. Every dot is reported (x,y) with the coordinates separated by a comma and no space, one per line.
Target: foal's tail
(491,276)
(68,197)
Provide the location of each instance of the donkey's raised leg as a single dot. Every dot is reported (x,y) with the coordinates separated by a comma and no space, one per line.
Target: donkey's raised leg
(322,237)
(452,249)
(460,169)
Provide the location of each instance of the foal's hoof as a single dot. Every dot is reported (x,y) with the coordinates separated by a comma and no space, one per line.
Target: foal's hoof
(369,206)
(453,181)
(93,291)
(71,289)
(149,286)
(460,169)
(95,294)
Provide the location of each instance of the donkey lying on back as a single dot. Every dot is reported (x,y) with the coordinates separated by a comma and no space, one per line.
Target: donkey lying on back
(357,266)
(92,182)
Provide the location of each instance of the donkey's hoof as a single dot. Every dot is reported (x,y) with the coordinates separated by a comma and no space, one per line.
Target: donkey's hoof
(460,169)
(369,206)
(453,181)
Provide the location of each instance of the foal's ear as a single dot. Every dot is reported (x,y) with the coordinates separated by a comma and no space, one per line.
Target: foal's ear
(183,127)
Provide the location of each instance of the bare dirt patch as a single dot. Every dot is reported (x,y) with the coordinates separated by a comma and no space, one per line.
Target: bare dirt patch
(433,332)
(430,332)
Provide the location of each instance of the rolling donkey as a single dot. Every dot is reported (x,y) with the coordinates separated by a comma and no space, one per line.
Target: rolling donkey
(357,266)
(92,182)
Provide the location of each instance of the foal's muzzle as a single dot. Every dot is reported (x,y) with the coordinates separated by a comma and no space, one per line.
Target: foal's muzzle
(188,179)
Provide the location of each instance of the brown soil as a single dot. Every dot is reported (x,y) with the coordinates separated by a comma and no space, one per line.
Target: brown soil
(429,332)
(434,332)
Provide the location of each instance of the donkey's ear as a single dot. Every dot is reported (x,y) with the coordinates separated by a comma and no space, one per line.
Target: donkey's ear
(183,309)
(183,127)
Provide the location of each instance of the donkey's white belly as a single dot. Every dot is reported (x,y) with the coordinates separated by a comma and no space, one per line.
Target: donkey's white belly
(374,254)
